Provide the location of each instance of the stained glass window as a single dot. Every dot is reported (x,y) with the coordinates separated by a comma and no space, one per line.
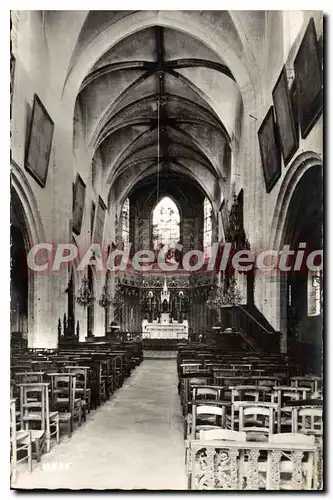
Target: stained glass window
(207,229)
(166,223)
(314,293)
(125,213)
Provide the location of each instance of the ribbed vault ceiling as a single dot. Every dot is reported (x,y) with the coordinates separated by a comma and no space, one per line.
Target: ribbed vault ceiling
(156,87)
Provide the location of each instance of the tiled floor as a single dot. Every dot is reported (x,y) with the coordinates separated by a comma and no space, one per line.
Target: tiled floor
(134,441)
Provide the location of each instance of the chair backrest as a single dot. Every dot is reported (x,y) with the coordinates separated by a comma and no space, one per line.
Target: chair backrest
(266,380)
(81,373)
(197,380)
(241,366)
(250,393)
(190,367)
(312,381)
(222,434)
(208,410)
(233,381)
(214,414)
(27,377)
(227,372)
(63,384)
(258,418)
(308,421)
(205,392)
(285,393)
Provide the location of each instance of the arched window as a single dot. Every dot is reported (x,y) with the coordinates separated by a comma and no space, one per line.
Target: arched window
(166,223)
(314,293)
(207,229)
(125,223)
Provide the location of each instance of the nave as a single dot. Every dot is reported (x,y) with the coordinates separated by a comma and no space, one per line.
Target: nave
(133,441)
(166,202)
(222,415)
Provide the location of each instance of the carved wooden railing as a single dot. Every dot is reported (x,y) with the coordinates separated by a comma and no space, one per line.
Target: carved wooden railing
(222,465)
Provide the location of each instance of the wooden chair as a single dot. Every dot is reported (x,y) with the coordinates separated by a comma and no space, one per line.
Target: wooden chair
(312,381)
(20,441)
(34,409)
(205,417)
(281,395)
(245,393)
(256,419)
(185,386)
(81,388)
(64,400)
(307,421)
(98,383)
(317,394)
(204,393)
(52,417)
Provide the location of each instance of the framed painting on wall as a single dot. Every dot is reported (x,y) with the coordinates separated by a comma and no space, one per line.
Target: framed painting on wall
(308,75)
(79,195)
(294,106)
(269,150)
(99,221)
(284,117)
(12,79)
(40,142)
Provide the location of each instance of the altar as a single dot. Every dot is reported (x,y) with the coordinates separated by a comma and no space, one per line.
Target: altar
(165,315)
(165,328)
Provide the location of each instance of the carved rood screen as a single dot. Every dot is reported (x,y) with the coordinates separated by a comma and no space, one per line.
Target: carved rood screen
(251,466)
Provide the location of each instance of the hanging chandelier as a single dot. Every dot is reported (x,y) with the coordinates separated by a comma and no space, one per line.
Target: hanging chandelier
(218,297)
(85,296)
(105,299)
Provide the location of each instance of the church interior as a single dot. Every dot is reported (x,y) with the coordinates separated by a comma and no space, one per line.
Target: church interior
(152,151)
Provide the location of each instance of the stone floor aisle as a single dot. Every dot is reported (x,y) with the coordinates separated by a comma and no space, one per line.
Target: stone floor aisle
(134,441)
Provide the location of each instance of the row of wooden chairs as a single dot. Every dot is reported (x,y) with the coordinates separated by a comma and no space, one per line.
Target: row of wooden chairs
(263,404)
(51,389)
(208,366)
(257,419)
